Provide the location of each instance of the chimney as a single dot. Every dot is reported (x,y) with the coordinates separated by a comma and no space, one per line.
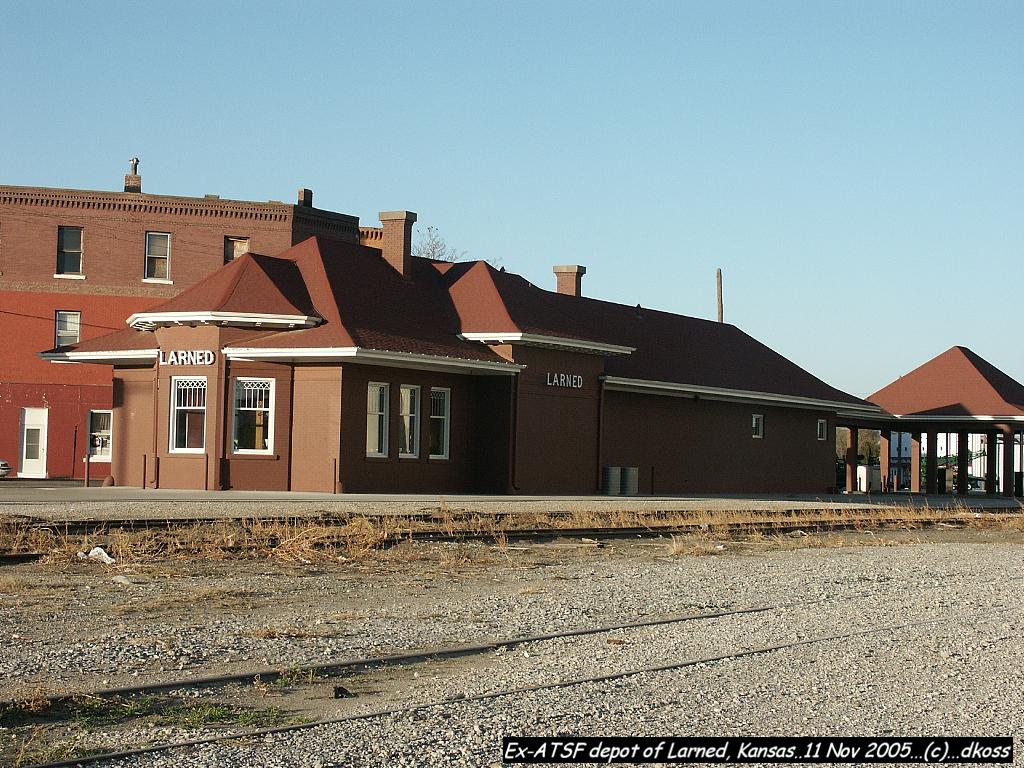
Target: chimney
(132,181)
(306,198)
(397,245)
(570,278)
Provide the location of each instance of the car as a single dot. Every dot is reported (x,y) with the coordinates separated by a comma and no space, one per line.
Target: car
(5,469)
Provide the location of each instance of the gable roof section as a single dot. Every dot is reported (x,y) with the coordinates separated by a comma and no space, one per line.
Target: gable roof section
(666,347)
(366,304)
(252,285)
(956,383)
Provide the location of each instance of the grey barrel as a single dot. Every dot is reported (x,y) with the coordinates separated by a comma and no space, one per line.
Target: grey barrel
(611,481)
(630,483)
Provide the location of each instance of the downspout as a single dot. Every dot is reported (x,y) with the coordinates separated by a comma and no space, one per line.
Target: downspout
(156,410)
(600,430)
(514,432)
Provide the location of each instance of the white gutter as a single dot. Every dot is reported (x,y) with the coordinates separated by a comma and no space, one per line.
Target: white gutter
(147,321)
(110,356)
(671,388)
(370,357)
(955,419)
(557,342)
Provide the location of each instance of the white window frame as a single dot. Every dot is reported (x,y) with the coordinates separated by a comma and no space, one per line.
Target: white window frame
(56,327)
(416,410)
(757,426)
(447,420)
(383,420)
(99,458)
(271,413)
(823,429)
(146,278)
(80,274)
(172,432)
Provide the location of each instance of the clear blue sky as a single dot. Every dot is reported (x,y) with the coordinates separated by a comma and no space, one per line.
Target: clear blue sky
(855,167)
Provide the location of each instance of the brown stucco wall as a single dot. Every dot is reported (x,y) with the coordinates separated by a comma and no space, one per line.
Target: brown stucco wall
(316,427)
(557,426)
(468,430)
(705,446)
(132,425)
(259,472)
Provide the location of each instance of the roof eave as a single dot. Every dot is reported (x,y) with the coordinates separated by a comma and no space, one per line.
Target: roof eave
(147,321)
(549,342)
(372,357)
(675,389)
(102,357)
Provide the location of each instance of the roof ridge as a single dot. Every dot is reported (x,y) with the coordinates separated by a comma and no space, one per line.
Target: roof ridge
(243,261)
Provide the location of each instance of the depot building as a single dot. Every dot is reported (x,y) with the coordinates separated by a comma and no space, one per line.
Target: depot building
(339,367)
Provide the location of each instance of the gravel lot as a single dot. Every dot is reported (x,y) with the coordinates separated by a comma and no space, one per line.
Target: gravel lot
(960,673)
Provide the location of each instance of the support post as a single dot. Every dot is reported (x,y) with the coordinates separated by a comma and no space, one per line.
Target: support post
(851,460)
(915,462)
(963,460)
(931,475)
(990,462)
(1008,443)
(883,459)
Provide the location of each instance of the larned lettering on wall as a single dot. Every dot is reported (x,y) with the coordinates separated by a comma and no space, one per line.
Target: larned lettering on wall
(188,357)
(569,380)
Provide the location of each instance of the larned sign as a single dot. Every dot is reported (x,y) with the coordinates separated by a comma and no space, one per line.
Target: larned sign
(187,357)
(568,380)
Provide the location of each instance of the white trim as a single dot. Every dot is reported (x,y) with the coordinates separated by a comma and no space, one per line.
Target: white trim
(146,257)
(102,459)
(108,356)
(416,415)
(447,422)
(369,356)
(963,419)
(149,320)
(533,339)
(757,426)
(172,431)
(385,428)
(69,275)
(741,395)
(158,280)
(822,429)
(271,417)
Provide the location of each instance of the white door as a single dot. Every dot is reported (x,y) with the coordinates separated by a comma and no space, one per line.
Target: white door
(33,442)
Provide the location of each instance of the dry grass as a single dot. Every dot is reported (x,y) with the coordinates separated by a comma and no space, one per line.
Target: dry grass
(305,541)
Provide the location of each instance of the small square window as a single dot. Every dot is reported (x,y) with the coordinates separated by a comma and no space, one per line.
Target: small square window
(757,426)
(158,256)
(68,327)
(69,250)
(822,429)
(235,247)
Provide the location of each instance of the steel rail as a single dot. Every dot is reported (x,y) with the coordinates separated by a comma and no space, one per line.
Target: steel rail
(332,669)
(505,692)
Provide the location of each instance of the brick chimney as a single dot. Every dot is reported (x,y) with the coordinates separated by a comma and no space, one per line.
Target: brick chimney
(570,278)
(397,241)
(132,181)
(305,198)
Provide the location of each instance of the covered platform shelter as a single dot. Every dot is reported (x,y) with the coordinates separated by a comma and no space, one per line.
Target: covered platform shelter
(957,392)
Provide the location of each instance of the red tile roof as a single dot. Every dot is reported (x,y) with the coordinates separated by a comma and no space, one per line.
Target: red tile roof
(365,303)
(956,383)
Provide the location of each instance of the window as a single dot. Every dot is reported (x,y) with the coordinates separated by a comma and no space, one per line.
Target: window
(409,421)
(69,250)
(757,426)
(68,328)
(254,416)
(822,429)
(188,414)
(235,247)
(99,435)
(158,256)
(440,410)
(377,419)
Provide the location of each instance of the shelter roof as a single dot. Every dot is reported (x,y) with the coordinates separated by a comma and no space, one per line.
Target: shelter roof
(956,383)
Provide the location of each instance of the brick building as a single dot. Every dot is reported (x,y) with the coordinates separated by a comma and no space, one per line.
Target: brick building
(336,366)
(74,264)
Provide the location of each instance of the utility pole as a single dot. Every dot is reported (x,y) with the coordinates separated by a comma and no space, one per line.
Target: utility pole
(721,306)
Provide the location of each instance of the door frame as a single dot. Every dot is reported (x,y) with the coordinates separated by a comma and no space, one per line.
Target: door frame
(40,419)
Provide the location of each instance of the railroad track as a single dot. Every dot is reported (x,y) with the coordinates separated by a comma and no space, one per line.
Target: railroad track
(551,685)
